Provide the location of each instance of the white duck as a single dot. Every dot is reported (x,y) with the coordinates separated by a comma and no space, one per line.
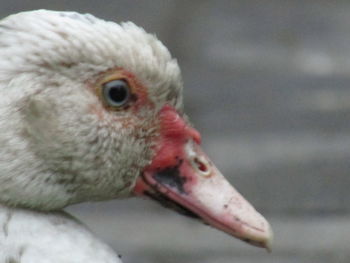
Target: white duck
(92,110)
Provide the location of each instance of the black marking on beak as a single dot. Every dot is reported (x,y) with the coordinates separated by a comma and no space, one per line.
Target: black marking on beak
(168,203)
(171,177)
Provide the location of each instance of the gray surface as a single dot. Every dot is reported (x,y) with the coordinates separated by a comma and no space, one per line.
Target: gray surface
(149,236)
(267,84)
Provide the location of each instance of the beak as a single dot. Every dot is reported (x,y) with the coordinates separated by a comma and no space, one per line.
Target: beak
(183,178)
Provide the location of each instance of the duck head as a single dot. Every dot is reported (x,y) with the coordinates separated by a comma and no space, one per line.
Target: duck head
(92,110)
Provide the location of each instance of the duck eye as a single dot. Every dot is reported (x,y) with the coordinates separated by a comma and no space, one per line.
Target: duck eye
(116,92)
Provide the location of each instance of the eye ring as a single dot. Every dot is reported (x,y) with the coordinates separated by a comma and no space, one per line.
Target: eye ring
(116,92)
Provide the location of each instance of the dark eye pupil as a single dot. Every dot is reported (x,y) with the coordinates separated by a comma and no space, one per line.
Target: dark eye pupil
(116,92)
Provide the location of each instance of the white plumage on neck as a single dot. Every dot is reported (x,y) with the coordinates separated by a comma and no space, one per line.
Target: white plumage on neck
(56,237)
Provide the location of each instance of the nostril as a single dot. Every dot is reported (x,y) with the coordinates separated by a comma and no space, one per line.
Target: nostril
(201,166)
(198,160)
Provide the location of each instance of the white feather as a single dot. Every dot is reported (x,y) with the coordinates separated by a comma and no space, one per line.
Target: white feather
(56,237)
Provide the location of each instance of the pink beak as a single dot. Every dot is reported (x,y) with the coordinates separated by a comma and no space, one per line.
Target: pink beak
(182,177)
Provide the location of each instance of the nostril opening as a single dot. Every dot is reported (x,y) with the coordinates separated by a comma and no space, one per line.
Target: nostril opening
(201,166)
(198,161)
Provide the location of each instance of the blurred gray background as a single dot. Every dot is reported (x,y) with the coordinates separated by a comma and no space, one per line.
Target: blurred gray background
(267,84)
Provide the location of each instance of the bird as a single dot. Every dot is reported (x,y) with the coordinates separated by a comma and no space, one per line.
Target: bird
(92,110)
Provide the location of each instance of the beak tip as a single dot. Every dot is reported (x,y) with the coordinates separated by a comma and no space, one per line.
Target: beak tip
(262,238)
(269,240)
(268,246)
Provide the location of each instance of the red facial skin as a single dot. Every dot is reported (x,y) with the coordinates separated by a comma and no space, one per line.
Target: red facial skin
(174,134)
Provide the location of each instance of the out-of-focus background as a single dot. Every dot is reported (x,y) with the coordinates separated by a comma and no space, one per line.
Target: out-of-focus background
(267,84)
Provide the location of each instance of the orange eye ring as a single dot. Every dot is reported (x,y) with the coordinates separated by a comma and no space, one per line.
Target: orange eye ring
(119,90)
